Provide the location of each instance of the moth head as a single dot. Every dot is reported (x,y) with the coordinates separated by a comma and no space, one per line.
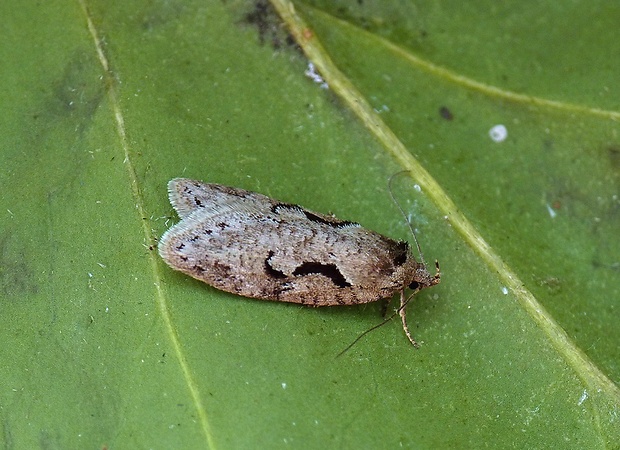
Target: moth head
(422,277)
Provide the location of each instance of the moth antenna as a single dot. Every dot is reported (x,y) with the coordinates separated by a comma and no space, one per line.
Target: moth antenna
(402,211)
(397,312)
(357,339)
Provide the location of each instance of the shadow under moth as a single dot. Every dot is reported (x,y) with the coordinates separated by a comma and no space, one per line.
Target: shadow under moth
(252,245)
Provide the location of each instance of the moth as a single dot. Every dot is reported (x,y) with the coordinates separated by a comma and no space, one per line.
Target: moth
(252,245)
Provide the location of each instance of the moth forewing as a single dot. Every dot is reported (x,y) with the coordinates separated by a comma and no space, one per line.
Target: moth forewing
(252,245)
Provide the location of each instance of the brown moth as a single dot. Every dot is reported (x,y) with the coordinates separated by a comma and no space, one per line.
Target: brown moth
(252,245)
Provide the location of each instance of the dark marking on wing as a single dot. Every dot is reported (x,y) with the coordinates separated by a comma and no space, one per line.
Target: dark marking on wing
(274,273)
(336,223)
(276,206)
(399,253)
(332,222)
(329,270)
(219,272)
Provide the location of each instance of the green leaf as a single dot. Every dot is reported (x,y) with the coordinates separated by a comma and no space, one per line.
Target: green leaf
(104,102)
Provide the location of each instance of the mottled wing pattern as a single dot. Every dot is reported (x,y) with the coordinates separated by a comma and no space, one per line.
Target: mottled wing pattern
(188,196)
(249,244)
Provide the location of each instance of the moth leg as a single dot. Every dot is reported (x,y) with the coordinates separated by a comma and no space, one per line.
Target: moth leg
(403,315)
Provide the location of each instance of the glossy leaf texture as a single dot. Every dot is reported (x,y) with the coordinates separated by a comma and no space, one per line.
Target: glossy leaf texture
(104,346)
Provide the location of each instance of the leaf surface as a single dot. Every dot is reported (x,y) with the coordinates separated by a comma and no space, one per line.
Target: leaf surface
(104,102)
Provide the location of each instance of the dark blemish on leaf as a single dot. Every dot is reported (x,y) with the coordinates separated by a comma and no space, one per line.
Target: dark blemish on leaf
(262,17)
(17,279)
(445,113)
(76,94)
(161,13)
(269,26)
(614,157)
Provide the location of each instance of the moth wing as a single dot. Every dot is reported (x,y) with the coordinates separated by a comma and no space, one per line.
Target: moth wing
(340,264)
(197,225)
(249,244)
(188,196)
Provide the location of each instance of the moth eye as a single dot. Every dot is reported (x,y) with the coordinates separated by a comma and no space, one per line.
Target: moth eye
(414,285)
